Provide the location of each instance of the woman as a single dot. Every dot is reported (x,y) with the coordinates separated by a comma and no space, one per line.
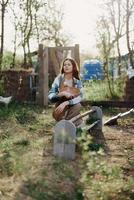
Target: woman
(66,91)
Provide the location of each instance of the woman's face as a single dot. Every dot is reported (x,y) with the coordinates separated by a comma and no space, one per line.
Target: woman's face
(68,67)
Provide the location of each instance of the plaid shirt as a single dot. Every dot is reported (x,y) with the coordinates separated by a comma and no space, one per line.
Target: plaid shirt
(52,96)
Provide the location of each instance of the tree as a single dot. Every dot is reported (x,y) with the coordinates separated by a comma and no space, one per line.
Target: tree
(15,24)
(25,26)
(50,25)
(129,8)
(35,22)
(117,20)
(105,45)
(3,4)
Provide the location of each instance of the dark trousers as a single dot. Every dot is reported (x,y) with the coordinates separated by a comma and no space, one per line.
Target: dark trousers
(73,111)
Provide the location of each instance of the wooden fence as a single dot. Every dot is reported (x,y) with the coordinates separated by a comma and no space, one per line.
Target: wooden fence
(16,84)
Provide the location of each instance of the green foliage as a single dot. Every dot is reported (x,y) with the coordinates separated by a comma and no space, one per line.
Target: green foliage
(8,59)
(98,90)
(84,140)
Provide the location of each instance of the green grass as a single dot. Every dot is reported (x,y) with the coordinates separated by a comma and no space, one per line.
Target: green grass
(100,179)
(98,90)
(25,133)
(29,170)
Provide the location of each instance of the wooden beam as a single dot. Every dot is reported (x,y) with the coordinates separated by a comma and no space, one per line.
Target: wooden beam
(113,120)
(77,55)
(62,48)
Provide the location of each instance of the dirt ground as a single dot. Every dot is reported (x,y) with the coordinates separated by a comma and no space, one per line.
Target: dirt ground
(120,142)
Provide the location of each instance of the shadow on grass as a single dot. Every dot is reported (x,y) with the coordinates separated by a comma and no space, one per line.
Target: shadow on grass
(55,179)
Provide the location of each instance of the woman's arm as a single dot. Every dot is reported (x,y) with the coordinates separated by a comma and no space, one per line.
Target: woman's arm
(77,99)
(53,92)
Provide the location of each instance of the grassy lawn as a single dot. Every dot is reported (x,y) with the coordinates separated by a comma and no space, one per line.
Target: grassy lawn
(98,90)
(27,168)
(103,168)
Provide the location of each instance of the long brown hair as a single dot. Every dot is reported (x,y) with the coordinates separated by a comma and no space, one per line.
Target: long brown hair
(76,72)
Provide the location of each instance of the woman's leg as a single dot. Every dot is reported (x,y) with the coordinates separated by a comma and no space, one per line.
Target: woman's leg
(73,111)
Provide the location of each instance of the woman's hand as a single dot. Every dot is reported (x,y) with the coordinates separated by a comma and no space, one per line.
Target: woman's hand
(61,107)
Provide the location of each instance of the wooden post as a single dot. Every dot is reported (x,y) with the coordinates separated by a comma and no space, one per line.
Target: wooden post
(97,115)
(76,54)
(54,61)
(42,93)
(72,52)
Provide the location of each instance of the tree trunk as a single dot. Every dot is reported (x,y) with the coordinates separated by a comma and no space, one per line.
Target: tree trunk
(29,33)
(37,29)
(127,34)
(119,58)
(25,56)
(3,8)
(2,33)
(14,53)
(29,54)
(107,77)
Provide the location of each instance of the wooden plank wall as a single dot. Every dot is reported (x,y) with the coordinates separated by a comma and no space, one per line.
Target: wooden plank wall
(57,55)
(42,92)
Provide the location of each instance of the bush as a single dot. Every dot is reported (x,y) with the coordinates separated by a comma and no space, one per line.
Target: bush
(8,59)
